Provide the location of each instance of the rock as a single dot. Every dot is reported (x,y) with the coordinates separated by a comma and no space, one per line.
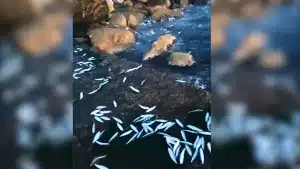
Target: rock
(272,60)
(118,19)
(128,3)
(164,3)
(111,40)
(181,59)
(158,13)
(44,35)
(160,45)
(118,1)
(134,18)
(90,11)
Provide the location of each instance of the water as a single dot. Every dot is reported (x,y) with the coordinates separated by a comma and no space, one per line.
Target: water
(193,35)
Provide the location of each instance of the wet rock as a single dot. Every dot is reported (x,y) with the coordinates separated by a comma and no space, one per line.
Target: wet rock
(118,1)
(90,11)
(159,13)
(160,45)
(164,3)
(118,19)
(272,60)
(181,59)
(111,40)
(134,18)
(128,3)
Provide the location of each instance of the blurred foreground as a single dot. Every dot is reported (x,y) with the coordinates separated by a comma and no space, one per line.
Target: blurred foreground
(255,84)
(35,80)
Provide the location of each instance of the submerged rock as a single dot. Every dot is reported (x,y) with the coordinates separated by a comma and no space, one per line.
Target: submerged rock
(111,40)
(181,59)
(118,19)
(159,13)
(160,45)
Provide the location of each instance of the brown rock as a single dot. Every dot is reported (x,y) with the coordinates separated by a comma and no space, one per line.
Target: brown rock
(160,12)
(160,45)
(134,18)
(111,40)
(118,19)
(181,59)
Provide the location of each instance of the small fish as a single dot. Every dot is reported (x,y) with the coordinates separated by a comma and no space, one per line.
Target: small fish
(158,127)
(150,109)
(95,111)
(94,128)
(99,79)
(118,120)
(81,95)
(98,119)
(102,144)
(179,123)
(120,127)
(105,118)
(142,83)
(77,69)
(134,89)
(180,81)
(126,133)
(190,131)
(145,127)
(202,142)
(132,69)
(113,137)
(96,159)
(132,138)
(98,135)
(161,120)
(144,107)
(197,110)
(176,146)
(194,155)
(115,103)
(186,142)
(100,166)
(172,155)
(105,111)
(148,134)
(206,116)
(202,155)
(149,128)
(177,151)
(84,54)
(140,133)
(134,128)
(181,158)
(124,79)
(194,128)
(100,107)
(183,135)
(196,141)
(171,124)
(209,146)
(188,149)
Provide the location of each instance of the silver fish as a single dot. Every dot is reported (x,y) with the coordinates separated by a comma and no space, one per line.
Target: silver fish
(113,137)
(115,103)
(148,134)
(120,127)
(105,111)
(145,127)
(190,131)
(186,142)
(144,107)
(105,118)
(77,69)
(140,133)
(202,155)
(196,141)
(206,116)
(102,144)
(150,109)
(94,112)
(98,119)
(158,127)
(134,128)
(183,135)
(96,159)
(194,128)
(170,124)
(124,79)
(209,146)
(132,138)
(197,110)
(177,151)
(100,107)
(93,128)
(188,149)
(179,123)
(126,133)
(132,69)
(161,120)
(134,89)
(181,158)
(118,120)
(98,135)
(172,155)
(181,81)
(81,95)
(142,83)
(194,155)
(100,166)
(176,146)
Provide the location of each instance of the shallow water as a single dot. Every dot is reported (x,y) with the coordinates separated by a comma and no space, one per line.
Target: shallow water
(193,35)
